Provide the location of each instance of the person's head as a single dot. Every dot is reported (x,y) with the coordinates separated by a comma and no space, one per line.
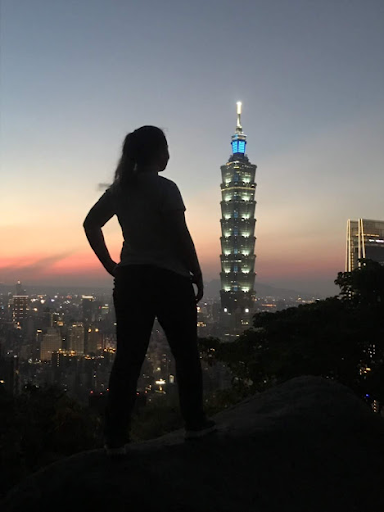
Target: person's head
(144,150)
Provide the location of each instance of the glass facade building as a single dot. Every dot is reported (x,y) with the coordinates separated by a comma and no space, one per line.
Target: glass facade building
(238,227)
(365,239)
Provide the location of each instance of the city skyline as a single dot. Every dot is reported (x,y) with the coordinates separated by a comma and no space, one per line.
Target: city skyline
(75,81)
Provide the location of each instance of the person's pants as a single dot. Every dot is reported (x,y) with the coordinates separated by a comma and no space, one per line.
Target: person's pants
(141,293)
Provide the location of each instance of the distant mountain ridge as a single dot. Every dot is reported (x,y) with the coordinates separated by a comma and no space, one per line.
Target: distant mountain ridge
(212,290)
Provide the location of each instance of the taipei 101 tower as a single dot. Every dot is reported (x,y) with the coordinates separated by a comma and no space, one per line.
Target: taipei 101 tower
(238,230)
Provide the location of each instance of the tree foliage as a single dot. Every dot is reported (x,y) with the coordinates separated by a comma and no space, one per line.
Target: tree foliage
(39,426)
(340,338)
(364,286)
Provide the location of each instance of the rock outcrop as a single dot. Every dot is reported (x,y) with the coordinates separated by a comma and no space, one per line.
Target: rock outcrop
(307,445)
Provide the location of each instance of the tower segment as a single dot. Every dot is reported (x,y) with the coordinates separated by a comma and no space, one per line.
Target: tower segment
(238,221)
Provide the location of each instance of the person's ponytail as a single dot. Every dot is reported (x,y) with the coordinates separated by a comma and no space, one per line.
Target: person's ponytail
(126,171)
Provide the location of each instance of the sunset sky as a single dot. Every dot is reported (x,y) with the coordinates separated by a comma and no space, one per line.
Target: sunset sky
(77,75)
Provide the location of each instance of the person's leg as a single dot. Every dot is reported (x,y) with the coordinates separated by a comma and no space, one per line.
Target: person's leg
(176,312)
(134,320)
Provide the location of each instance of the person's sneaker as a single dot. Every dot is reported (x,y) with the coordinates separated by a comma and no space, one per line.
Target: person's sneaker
(196,431)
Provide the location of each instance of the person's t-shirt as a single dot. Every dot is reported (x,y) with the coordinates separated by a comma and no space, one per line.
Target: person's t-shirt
(139,209)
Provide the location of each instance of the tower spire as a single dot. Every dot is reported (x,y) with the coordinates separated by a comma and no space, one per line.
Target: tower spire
(239,128)
(239,139)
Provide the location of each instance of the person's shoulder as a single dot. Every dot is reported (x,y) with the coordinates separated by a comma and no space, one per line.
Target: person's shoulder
(172,199)
(167,183)
(111,194)
(113,189)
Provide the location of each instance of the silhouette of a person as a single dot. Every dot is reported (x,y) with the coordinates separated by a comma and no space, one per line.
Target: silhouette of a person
(153,279)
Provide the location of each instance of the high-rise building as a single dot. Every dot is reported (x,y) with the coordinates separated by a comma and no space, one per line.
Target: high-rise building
(50,343)
(9,374)
(238,227)
(94,340)
(37,345)
(76,338)
(88,307)
(365,239)
(20,308)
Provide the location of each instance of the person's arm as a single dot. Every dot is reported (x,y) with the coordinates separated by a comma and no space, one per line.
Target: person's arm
(184,247)
(99,215)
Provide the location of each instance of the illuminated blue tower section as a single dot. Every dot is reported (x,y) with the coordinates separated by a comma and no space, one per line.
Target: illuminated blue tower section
(238,227)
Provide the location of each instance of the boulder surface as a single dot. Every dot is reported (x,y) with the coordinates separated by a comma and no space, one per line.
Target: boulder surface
(309,444)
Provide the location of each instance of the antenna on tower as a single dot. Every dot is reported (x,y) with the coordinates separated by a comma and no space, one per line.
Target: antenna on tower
(239,128)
